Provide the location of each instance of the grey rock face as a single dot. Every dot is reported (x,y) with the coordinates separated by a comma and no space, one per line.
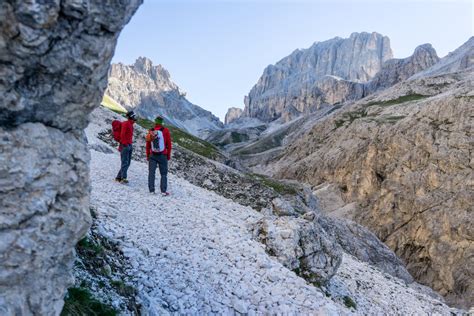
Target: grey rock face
(397,70)
(232,114)
(364,245)
(291,86)
(54,58)
(301,246)
(410,171)
(44,199)
(148,90)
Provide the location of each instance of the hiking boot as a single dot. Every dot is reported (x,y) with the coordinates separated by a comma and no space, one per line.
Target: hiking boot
(152,192)
(165,193)
(124,181)
(118,179)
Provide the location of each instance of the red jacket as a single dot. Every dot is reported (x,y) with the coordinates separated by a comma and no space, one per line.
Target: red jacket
(167,139)
(126,132)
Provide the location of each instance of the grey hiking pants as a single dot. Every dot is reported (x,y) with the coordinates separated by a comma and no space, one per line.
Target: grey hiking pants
(162,162)
(126,158)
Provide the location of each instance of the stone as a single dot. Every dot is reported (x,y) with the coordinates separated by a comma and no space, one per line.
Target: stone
(309,216)
(282,207)
(301,246)
(208,184)
(54,59)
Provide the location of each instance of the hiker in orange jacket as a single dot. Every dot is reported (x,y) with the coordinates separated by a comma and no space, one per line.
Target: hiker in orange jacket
(158,152)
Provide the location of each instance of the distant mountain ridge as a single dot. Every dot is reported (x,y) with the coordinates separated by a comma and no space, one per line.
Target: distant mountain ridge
(329,73)
(148,89)
(290,87)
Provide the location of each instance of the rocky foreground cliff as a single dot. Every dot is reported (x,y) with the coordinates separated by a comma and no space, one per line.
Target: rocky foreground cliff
(54,58)
(148,89)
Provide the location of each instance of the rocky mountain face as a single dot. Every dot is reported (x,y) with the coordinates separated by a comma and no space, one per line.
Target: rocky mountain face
(232,115)
(54,59)
(307,78)
(397,70)
(400,163)
(149,91)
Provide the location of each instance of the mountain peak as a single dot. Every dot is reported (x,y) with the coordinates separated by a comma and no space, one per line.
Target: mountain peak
(145,66)
(461,59)
(232,114)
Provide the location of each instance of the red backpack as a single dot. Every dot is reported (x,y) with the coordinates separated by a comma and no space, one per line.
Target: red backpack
(116,129)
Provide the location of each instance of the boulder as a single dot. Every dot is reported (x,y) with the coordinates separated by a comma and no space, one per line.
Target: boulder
(365,246)
(282,207)
(301,246)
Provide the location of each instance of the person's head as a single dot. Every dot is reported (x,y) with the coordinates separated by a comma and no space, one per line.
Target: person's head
(131,115)
(159,120)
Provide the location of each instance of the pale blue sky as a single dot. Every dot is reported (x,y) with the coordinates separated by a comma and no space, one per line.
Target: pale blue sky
(217,50)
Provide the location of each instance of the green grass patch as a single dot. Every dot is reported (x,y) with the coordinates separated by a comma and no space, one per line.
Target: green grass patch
(226,138)
(278,186)
(88,245)
(349,302)
(79,301)
(392,119)
(468,97)
(349,117)
(238,137)
(186,140)
(402,99)
(113,105)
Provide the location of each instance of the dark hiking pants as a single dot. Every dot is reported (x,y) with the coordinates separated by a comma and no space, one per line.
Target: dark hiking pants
(126,158)
(162,162)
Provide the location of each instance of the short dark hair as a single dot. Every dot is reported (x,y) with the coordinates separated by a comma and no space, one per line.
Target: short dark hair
(131,115)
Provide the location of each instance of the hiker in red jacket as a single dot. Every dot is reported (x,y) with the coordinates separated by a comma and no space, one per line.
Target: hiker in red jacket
(158,152)
(125,148)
